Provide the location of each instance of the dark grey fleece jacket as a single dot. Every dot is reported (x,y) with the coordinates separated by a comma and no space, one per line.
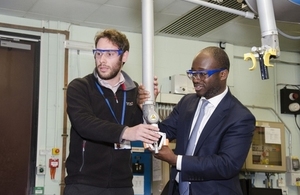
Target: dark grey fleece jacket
(92,158)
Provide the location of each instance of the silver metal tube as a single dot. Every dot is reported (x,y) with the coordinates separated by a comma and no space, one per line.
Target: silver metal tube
(269,33)
(148,34)
(150,115)
(247,14)
(266,17)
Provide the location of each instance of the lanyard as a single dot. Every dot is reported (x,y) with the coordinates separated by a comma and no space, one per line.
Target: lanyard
(108,104)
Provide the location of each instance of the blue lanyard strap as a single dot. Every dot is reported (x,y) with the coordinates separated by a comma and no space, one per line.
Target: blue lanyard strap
(108,104)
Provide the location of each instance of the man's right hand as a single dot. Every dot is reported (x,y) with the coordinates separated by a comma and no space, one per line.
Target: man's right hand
(142,132)
(166,154)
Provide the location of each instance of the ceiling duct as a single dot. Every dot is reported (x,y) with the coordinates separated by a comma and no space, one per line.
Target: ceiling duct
(200,21)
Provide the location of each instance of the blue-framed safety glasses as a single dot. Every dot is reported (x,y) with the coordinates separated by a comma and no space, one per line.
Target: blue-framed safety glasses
(202,74)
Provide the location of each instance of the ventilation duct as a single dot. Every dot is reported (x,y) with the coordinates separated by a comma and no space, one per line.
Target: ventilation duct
(200,21)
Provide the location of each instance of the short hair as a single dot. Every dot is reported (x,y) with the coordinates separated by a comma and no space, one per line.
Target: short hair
(219,55)
(115,37)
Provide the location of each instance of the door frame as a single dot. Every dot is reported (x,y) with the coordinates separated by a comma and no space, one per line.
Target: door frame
(18,37)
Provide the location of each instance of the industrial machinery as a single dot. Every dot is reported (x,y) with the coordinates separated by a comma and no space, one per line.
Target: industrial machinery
(268,12)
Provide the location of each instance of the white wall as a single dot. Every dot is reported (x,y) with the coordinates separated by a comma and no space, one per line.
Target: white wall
(171,56)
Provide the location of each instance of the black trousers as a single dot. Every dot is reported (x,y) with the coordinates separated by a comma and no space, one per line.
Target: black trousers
(80,189)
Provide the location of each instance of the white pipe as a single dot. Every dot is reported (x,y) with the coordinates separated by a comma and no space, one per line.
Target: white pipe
(247,14)
(266,17)
(148,34)
(269,33)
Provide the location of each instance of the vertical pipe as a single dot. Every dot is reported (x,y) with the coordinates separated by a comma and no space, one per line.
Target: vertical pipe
(266,17)
(269,33)
(148,34)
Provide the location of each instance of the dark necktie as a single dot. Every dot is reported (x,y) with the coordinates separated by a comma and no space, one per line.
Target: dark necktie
(184,185)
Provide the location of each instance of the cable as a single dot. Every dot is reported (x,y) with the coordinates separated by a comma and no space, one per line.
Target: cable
(287,36)
(296,122)
(253,180)
(285,85)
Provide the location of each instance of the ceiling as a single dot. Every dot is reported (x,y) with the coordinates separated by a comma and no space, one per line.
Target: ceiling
(172,18)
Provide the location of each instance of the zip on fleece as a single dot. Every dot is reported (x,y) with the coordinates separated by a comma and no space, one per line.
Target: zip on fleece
(82,154)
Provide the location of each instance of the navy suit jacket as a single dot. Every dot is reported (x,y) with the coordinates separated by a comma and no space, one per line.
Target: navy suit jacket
(221,149)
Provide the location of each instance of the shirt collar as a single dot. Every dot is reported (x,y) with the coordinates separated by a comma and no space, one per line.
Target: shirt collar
(217,99)
(107,85)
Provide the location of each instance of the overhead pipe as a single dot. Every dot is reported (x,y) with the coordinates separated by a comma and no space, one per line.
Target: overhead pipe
(247,14)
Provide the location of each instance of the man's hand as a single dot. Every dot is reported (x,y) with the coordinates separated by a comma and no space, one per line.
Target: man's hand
(143,132)
(156,90)
(144,95)
(166,154)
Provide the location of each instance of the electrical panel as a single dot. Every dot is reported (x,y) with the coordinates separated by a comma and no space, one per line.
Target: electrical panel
(293,171)
(290,101)
(293,164)
(141,168)
(267,151)
(181,84)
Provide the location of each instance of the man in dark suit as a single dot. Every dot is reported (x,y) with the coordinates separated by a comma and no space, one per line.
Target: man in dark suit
(222,140)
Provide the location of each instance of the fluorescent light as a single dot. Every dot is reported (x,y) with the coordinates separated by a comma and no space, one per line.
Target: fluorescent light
(14,38)
(10,44)
(77,45)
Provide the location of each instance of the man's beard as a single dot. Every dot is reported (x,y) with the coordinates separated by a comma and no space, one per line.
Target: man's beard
(114,72)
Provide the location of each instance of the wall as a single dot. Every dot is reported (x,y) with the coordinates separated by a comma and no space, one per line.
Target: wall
(171,56)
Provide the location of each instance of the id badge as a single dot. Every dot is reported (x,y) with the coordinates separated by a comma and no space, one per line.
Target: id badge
(121,146)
